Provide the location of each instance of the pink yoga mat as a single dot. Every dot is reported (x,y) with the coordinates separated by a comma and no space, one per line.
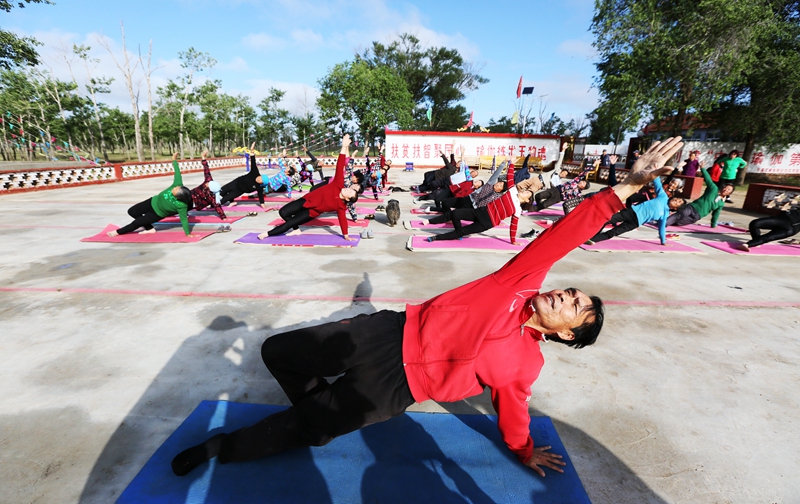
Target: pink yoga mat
(419,211)
(267,199)
(202,219)
(421,224)
(548,224)
(546,211)
(631,245)
(325,221)
(247,208)
(770,249)
(159,237)
(702,228)
(469,243)
(302,240)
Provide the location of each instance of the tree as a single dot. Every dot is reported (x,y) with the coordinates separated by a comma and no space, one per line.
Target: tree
(18,51)
(437,78)
(94,86)
(193,61)
(128,70)
(371,96)
(670,57)
(273,119)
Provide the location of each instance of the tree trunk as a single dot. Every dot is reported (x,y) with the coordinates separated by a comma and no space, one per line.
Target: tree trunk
(749,147)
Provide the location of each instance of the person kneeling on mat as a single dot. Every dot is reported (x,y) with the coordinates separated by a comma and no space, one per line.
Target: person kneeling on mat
(486,333)
(331,197)
(173,200)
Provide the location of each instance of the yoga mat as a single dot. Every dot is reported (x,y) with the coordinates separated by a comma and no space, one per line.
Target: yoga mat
(546,211)
(159,237)
(419,211)
(202,219)
(546,224)
(325,221)
(414,457)
(421,224)
(702,228)
(247,208)
(301,240)
(469,243)
(631,245)
(267,199)
(770,249)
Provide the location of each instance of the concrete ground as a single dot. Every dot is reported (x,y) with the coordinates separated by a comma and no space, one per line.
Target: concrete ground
(690,395)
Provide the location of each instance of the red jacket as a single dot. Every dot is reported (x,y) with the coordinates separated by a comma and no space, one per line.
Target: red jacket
(473,336)
(326,199)
(463,189)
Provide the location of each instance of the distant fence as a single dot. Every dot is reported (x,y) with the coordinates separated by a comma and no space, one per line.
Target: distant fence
(34,179)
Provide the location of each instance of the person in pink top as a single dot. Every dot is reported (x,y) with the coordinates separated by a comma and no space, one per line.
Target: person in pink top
(486,333)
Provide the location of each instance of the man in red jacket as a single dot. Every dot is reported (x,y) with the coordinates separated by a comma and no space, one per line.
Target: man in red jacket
(483,334)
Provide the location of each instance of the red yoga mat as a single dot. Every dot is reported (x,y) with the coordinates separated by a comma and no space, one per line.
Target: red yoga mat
(159,237)
(202,219)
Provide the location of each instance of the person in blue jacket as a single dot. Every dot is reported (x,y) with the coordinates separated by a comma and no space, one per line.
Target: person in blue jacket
(654,210)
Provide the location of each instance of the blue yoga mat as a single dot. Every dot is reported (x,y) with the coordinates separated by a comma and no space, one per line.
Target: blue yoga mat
(415,457)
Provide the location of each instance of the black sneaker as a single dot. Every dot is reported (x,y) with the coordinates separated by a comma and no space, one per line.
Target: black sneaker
(529,234)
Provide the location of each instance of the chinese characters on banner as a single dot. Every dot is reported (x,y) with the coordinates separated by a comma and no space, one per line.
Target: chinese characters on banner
(423,149)
(761,161)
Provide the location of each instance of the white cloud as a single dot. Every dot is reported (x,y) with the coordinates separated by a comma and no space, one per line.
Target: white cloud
(263,42)
(300,98)
(237,64)
(307,40)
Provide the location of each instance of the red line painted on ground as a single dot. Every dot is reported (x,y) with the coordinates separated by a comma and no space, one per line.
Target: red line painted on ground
(303,297)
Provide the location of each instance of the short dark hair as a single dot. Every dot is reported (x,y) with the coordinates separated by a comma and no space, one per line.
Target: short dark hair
(676,198)
(184,195)
(587,184)
(734,151)
(292,171)
(353,199)
(359,177)
(733,187)
(586,334)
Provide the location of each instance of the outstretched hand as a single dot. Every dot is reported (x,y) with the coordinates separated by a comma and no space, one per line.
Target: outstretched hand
(204,154)
(175,156)
(649,166)
(541,457)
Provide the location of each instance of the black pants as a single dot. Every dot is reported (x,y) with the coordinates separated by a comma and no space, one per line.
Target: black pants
(479,217)
(612,175)
(684,216)
(451,203)
(367,351)
(294,214)
(780,227)
(547,198)
(623,221)
(229,192)
(143,216)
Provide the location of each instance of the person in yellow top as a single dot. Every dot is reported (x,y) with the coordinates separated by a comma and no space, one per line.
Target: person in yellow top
(173,200)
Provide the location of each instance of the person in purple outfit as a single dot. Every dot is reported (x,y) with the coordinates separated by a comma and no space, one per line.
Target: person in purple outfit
(691,165)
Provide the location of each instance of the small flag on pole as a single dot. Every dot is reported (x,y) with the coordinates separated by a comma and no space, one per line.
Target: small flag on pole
(519,87)
(429,114)
(469,124)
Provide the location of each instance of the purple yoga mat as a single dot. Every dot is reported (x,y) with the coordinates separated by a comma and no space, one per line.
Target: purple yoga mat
(421,224)
(771,249)
(631,245)
(302,240)
(325,221)
(469,243)
(159,237)
(702,228)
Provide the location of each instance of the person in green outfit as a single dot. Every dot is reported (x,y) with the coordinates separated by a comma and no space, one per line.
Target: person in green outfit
(711,202)
(173,200)
(731,164)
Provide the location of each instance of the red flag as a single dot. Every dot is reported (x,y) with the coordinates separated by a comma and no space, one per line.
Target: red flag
(469,124)
(519,87)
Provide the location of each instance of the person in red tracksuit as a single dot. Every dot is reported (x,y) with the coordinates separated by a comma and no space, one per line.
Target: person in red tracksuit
(489,216)
(486,333)
(332,197)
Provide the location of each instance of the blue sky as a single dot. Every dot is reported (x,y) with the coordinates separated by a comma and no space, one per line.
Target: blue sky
(290,44)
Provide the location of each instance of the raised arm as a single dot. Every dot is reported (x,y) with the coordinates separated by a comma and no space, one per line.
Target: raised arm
(206,170)
(496,175)
(338,177)
(177,180)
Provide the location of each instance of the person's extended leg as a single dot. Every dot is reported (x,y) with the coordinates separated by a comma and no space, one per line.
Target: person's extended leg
(547,198)
(480,223)
(683,217)
(780,226)
(373,388)
(624,221)
(228,193)
(143,216)
(294,215)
